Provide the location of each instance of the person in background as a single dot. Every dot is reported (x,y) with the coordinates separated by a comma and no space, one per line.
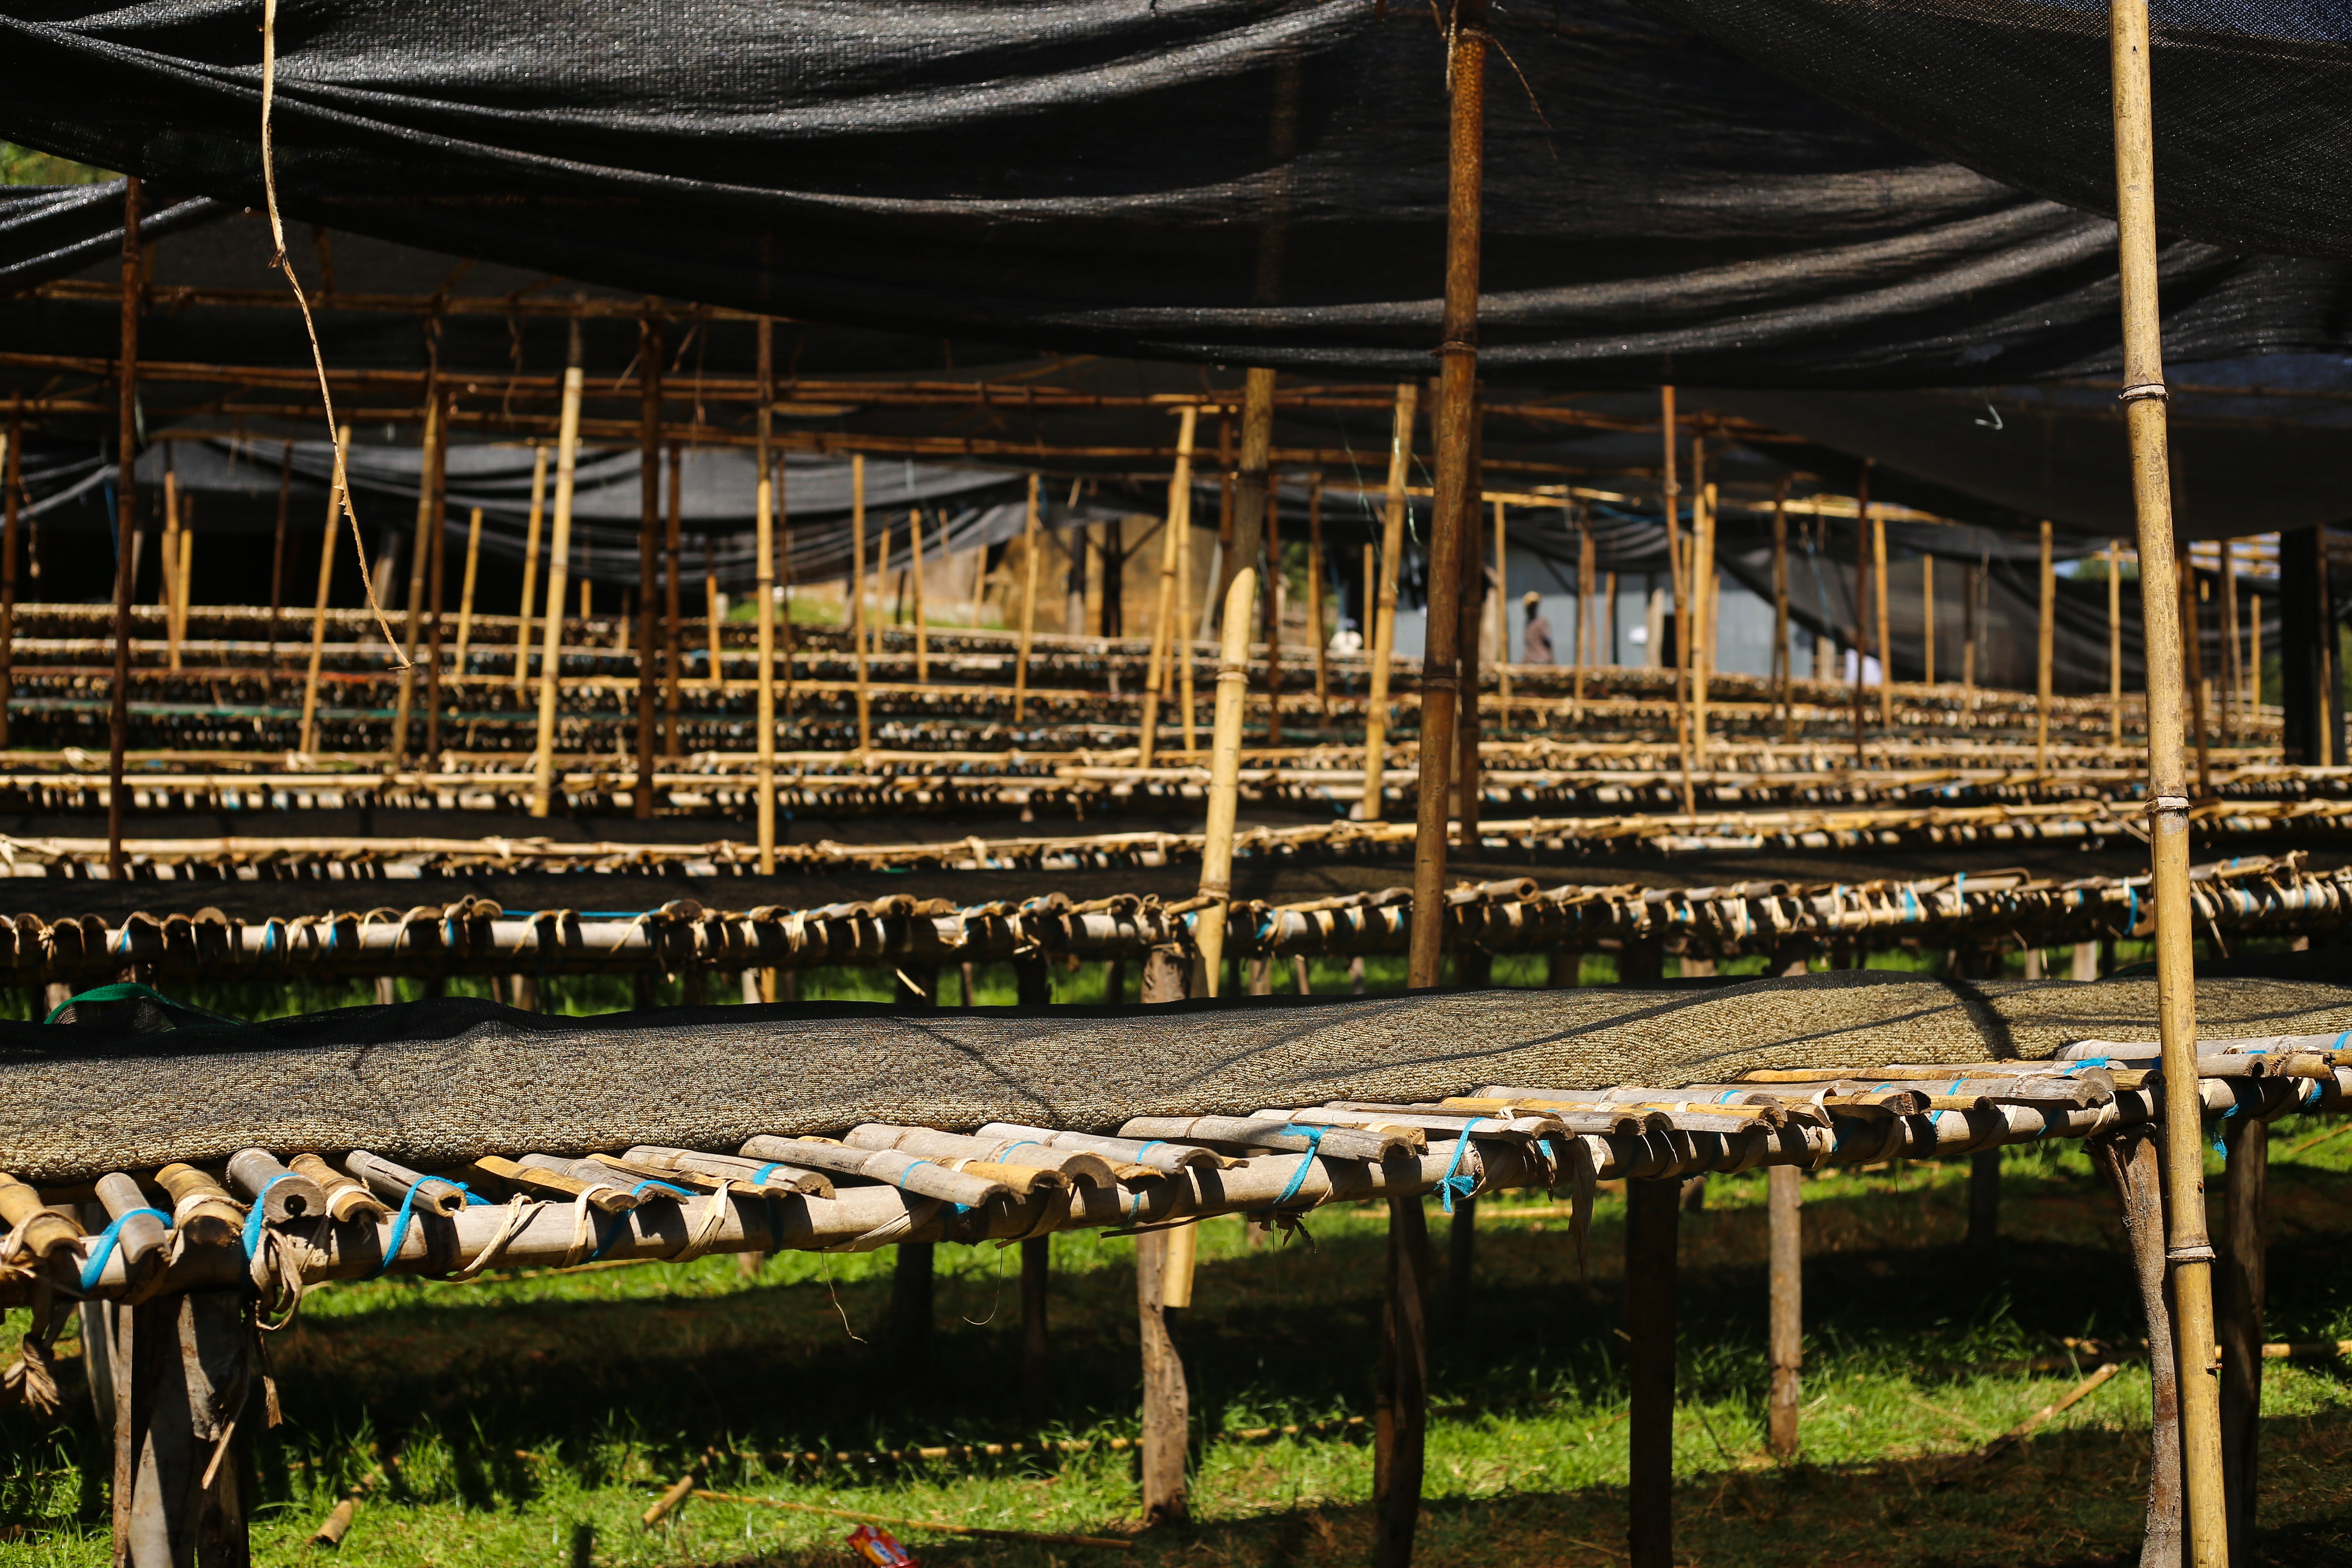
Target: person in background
(1535,644)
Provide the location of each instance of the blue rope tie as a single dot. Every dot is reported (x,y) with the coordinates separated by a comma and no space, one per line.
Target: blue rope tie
(1458,1186)
(105,1247)
(759,1177)
(399,1232)
(639,1190)
(1148,1148)
(1314,1136)
(253,1215)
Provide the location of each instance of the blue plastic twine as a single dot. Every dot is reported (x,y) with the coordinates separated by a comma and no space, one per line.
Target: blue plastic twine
(1314,1136)
(253,1217)
(106,1242)
(1458,1186)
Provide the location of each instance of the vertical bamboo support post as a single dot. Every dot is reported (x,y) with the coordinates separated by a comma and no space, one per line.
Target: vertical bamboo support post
(1862,515)
(1782,675)
(2187,1248)
(2255,659)
(126,518)
(782,568)
(1163,629)
(1167,1403)
(1703,603)
(1927,618)
(1502,599)
(713,623)
(466,593)
(276,585)
(1670,491)
(1271,606)
(1588,609)
(2115,643)
(167,590)
(1181,644)
(1225,774)
(2045,650)
(1036,1344)
(2130,1161)
(763,570)
(2193,639)
(673,563)
(182,570)
(310,735)
(529,563)
(649,521)
(1400,1415)
(558,561)
(11,483)
(922,642)
(2233,672)
(1376,707)
(437,592)
(428,519)
(1252,491)
(1316,630)
(2244,1281)
(858,612)
(1469,722)
(1031,541)
(1884,637)
(1784,1213)
(1652,1218)
(1456,419)
(1972,589)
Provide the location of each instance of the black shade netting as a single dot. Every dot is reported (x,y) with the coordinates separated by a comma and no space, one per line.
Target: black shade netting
(435,1083)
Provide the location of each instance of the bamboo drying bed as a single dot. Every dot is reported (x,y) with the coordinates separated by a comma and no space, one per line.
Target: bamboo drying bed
(908,936)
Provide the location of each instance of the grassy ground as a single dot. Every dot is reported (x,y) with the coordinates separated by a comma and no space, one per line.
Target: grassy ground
(530,1420)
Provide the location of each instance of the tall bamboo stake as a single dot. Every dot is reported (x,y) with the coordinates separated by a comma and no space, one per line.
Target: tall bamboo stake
(1251,482)
(276,580)
(1163,629)
(1182,646)
(713,622)
(2233,672)
(2115,643)
(1502,600)
(763,579)
(529,563)
(2193,637)
(1885,639)
(1652,1218)
(857,584)
(1702,606)
(428,519)
(1376,708)
(437,593)
(183,568)
(1030,543)
(2255,659)
(1928,617)
(649,521)
(782,566)
(465,591)
(167,591)
(1862,515)
(922,643)
(1225,776)
(1457,352)
(1469,722)
(1670,489)
(559,563)
(1588,609)
(318,610)
(1781,673)
(1316,630)
(673,562)
(1400,1407)
(1783,1200)
(1271,526)
(2045,649)
(126,518)
(2188,1250)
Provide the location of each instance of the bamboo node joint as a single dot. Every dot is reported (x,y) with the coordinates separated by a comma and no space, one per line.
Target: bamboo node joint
(2164,803)
(2144,389)
(2201,1253)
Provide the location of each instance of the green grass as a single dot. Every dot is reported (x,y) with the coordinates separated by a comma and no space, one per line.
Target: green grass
(528,1419)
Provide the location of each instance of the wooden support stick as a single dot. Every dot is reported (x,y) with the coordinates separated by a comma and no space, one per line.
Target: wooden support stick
(1037,1353)
(1784,1195)
(1862,610)
(1782,675)
(558,561)
(529,563)
(713,620)
(1928,616)
(2244,1282)
(2192,638)
(187,1371)
(1984,1204)
(2130,1162)
(183,569)
(672,565)
(167,591)
(2254,657)
(276,585)
(1164,629)
(2232,671)
(1316,631)
(922,640)
(1884,639)
(763,547)
(1400,1413)
(857,611)
(1703,600)
(420,547)
(1501,603)
(1652,1215)
(1670,494)
(437,571)
(1272,606)
(2045,646)
(2114,643)
(1031,541)
(1384,628)
(1167,1414)
(1469,721)
(126,523)
(1225,776)
(649,519)
(466,593)
(318,610)
(1588,610)
(1181,644)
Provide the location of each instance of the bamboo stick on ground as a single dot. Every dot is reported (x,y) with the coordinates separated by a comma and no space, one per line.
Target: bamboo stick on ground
(319,612)
(559,560)
(936,1526)
(529,563)
(1383,628)
(1225,776)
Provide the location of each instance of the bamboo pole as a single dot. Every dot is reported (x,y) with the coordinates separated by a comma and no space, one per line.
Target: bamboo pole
(1316,630)
(277,586)
(420,547)
(1784,1197)
(1702,606)
(1469,722)
(2189,1250)
(1588,609)
(466,591)
(1250,480)
(1400,1414)
(673,562)
(1671,491)
(2233,672)
(1271,526)
(1653,1216)
(529,563)
(1167,1422)
(1183,647)
(126,518)
(1031,541)
(783,578)
(2244,1268)
(318,610)
(1928,616)
(1456,421)
(167,591)
(2254,657)
(1782,675)
(1376,712)
(183,573)
(1503,599)
(763,580)
(437,592)
(858,619)
(1862,516)
(2045,649)
(923,643)
(713,622)
(649,525)
(11,487)
(1163,629)
(1972,590)
(2115,643)
(2193,641)
(1225,776)
(1884,638)
(558,561)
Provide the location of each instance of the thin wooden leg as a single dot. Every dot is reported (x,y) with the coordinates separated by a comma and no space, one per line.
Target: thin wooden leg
(1401,1416)
(1461,1258)
(911,1299)
(1984,1202)
(2130,1162)
(1032,985)
(1652,1218)
(2244,1246)
(1784,1195)
(189,1372)
(1167,1403)
(1166,975)
(1037,1274)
